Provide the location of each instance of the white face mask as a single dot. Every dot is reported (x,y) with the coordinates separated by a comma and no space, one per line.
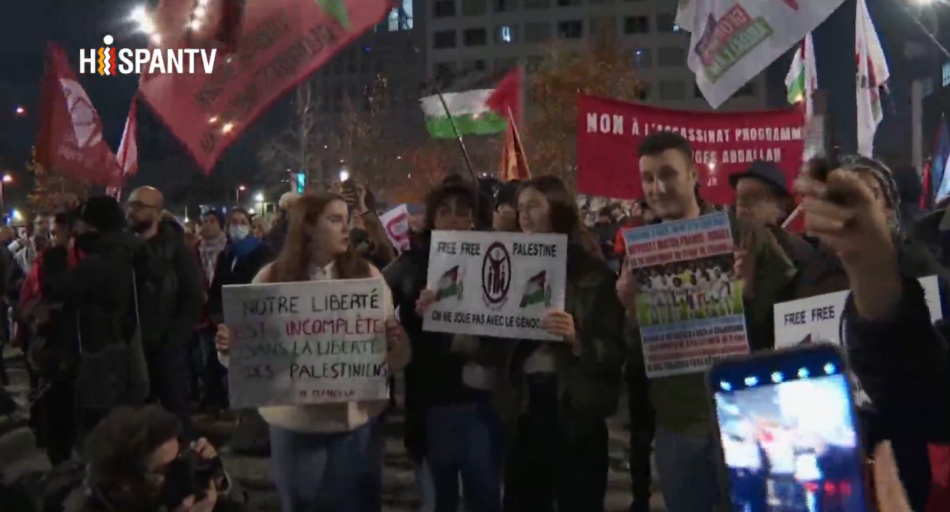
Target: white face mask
(239,232)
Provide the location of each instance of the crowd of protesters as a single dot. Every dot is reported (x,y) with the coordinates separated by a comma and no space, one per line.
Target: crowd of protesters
(116,309)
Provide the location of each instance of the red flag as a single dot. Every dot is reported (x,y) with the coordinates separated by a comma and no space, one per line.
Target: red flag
(281,43)
(70,133)
(228,32)
(514,163)
(508,97)
(128,157)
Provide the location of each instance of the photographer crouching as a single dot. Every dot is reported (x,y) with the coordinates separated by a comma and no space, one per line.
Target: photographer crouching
(137,462)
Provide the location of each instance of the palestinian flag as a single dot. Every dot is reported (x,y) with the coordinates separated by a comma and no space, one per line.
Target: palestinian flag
(476,111)
(449,285)
(536,290)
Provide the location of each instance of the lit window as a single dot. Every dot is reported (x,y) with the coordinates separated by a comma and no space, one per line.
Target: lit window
(945,74)
(506,34)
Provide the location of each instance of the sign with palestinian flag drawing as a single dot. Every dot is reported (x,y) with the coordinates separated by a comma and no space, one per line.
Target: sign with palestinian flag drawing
(495,284)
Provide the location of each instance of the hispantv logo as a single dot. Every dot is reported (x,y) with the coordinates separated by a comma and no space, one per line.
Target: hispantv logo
(109,61)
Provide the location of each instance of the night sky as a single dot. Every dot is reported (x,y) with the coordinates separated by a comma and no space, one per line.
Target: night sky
(27,25)
(25,28)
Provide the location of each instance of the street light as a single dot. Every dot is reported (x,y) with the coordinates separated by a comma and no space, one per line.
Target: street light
(20,111)
(237,193)
(259,198)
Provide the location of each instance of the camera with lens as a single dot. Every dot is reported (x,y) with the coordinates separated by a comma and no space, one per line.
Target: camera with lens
(190,474)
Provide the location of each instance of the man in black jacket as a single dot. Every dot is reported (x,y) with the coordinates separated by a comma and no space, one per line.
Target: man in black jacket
(894,350)
(171,302)
(95,289)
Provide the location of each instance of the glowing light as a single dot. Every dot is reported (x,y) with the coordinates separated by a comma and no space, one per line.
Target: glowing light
(195,25)
(250,210)
(344,175)
(830,368)
(139,15)
(242,188)
(156,39)
(712,166)
(20,111)
(200,12)
(803,373)
(725,385)
(15,214)
(214,119)
(227,127)
(751,381)
(777,377)
(259,198)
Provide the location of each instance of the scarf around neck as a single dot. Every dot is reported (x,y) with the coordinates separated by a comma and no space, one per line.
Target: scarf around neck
(209,250)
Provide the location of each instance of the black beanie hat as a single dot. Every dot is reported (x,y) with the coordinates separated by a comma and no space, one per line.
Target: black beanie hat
(103,213)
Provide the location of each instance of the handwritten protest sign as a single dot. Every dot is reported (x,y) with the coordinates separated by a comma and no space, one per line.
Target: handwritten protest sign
(689,304)
(818,320)
(307,342)
(495,284)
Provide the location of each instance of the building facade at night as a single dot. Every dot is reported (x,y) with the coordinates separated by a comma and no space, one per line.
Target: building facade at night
(493,36)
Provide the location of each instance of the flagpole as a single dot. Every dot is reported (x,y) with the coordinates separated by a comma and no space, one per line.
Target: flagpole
(514,126)
(468,161)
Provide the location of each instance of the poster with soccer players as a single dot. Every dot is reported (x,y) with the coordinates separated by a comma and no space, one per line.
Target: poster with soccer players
(689,302)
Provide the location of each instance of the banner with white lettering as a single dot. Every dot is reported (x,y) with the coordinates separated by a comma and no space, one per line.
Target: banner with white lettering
(307,342)
(495,284)
(689,303)
(818,320)
(609,132)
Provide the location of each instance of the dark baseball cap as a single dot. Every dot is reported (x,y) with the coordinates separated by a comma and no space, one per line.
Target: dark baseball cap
(765,172)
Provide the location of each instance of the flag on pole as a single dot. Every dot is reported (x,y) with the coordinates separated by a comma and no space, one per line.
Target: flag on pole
(449,285)
(128,157)
(280,43)
(872,74)
(802,78)
(536,290)
(69,139)
(514,161)
(475,112)
(732,41)
(939,160)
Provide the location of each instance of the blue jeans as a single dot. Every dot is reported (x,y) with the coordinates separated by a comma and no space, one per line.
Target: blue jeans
(467,440)
(329,472)
(688,468)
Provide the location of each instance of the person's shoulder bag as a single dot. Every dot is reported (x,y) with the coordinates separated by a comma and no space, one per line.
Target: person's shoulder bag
(118,374)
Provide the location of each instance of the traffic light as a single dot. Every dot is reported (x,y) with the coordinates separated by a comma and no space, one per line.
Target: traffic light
(301,182)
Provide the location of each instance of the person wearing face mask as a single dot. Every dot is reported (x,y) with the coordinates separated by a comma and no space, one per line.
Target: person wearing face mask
(238,263)
(171,298)
(94,289)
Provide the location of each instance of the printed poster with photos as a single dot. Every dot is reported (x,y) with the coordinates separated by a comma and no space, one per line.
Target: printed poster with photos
(689,304)
(495,284)
(818,320)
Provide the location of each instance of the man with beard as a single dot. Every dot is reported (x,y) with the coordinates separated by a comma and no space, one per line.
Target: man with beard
(171,300)
(136,463)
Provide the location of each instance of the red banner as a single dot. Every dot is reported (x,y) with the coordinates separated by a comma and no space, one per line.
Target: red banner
(609,133)
(281,42)
(70,132)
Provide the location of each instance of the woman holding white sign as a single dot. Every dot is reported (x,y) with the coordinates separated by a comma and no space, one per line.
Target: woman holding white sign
(567,389)
(327,457)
